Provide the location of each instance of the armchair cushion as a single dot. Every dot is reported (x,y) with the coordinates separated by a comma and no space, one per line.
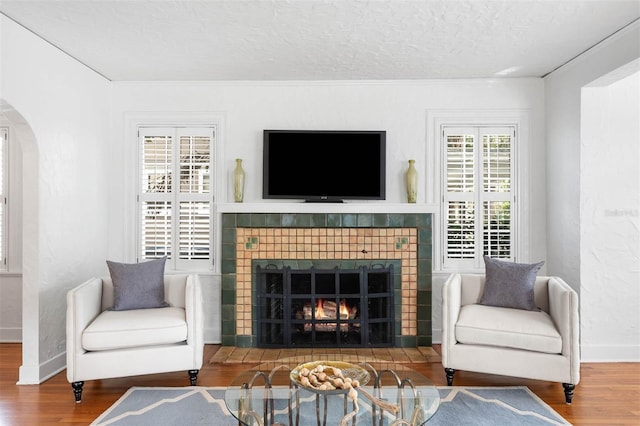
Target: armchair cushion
(135,328)
(138,285)
(506,327)
(509,284)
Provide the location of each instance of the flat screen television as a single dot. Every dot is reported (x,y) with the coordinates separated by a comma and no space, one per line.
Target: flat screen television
(324,165)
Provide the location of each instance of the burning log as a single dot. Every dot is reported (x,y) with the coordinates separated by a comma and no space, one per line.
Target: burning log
(327,310)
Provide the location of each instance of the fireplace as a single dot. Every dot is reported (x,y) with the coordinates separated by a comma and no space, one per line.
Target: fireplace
(325,241)
(325,307)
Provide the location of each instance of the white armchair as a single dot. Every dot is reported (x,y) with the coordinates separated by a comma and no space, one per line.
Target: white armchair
(103,343)
(541,345)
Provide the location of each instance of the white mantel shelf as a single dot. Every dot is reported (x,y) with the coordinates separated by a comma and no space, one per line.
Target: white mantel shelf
(346,207)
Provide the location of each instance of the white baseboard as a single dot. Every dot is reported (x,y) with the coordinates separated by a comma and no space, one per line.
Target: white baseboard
(34,375)
(28,375)
(609,353)
(10,335)
(50,368)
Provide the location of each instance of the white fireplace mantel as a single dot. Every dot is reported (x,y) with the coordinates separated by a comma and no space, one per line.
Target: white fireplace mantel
(346,207)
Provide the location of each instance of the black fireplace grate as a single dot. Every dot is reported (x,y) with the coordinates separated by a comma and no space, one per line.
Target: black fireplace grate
(325,307)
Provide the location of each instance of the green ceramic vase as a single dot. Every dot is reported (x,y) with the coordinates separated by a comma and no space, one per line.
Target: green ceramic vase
(411,181)
(238,182)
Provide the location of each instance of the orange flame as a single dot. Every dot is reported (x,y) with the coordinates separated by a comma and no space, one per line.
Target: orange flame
(344,310)
(319,309)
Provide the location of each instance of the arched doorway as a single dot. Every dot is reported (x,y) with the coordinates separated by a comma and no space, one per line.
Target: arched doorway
(22,134)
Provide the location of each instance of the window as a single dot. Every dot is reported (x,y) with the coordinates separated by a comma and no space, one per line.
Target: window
(4,206)
(175,197)
(478,195)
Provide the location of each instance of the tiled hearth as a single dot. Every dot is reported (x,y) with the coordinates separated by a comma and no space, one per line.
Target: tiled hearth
(326,240)
(235,355)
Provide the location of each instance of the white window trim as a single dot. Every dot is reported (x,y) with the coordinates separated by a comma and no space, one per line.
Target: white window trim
(478,196)
(175,196)
(518,118)
(4,199)
(135,120)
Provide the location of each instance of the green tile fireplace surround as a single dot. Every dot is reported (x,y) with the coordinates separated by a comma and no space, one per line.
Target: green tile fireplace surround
(421,222)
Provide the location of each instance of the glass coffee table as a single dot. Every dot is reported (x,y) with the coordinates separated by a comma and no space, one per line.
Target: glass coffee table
(274,394)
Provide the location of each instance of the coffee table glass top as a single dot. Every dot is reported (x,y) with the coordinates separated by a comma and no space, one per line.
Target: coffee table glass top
(386,394)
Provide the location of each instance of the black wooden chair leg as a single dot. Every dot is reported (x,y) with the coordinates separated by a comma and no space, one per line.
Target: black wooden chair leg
(193,376)
(77,390)
(568,392)
(449,372)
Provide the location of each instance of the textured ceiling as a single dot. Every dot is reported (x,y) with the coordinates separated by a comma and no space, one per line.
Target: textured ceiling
(322,40)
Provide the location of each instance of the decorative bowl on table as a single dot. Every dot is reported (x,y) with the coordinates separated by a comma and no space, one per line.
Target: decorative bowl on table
(333,370)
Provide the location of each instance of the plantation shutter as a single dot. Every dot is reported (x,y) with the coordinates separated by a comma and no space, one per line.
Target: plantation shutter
(496,195)
(460,198)
(176,195)
(194,196)
(477,195)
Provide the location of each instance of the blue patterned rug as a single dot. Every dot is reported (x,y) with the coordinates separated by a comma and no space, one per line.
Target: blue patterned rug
(205,406)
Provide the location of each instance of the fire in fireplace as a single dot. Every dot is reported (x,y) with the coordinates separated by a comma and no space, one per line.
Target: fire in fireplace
(325,308)
(328,310)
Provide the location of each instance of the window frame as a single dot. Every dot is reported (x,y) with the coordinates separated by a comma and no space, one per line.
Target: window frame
(477,195)
(524,193)
(176,197)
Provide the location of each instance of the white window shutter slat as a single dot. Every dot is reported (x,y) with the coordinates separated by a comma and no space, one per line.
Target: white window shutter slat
(156,219)
(497,229)
(460,163)
(496,162)
(195,159)
(157,163)
(195,230)
(460,230)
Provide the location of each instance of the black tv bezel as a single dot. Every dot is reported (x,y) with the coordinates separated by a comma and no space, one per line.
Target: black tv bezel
(329,198)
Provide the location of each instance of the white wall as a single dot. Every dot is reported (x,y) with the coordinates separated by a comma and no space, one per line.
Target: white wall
(610,216)
(62,112)
(562,109)
(401,108)
(563,90)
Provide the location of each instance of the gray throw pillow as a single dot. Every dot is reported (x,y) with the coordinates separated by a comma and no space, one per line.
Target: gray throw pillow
(509,284)
(138,285)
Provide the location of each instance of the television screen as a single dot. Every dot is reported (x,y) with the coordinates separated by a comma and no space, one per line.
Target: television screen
(324,165)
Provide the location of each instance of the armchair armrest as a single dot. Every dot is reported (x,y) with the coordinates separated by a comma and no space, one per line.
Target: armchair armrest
(84,304)
(563,309)
(194,312)
(451,304)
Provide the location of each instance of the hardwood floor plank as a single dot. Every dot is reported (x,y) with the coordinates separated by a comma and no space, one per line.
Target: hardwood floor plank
(608,394)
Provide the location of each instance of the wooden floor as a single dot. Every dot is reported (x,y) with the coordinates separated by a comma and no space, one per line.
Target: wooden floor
(608,394)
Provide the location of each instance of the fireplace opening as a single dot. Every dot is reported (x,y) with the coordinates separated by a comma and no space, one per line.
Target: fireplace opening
(325,307)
